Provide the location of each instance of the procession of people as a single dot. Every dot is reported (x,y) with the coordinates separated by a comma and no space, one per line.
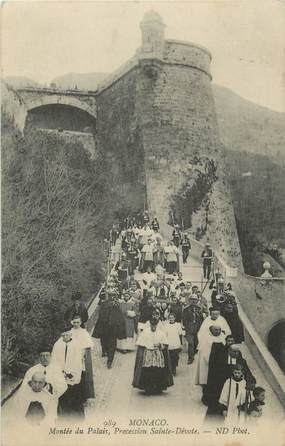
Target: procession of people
(147,306)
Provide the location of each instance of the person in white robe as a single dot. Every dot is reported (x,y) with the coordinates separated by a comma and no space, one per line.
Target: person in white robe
(152,371)
(214,334)
(85,341)
(55,380)
(81,336)
(147,278)
(67,355)
(213,319)
(233,397)
(34,403)
(173,331)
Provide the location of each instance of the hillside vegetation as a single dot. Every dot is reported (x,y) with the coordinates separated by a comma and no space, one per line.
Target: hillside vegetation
(246,126)
(53,226)
(258,191)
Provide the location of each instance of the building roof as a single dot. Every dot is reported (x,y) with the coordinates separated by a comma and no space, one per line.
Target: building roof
(152,16)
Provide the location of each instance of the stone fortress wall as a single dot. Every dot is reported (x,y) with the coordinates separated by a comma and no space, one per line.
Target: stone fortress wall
(180,132)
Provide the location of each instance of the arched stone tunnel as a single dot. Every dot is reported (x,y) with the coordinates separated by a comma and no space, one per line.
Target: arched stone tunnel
(276,343)
(60,116)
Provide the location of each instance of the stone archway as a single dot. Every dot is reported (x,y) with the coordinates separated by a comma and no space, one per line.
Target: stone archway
(276,343)
(61,116)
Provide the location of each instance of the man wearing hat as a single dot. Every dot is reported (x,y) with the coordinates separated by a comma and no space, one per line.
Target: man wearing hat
(207,256)
(192,318)
(77,308)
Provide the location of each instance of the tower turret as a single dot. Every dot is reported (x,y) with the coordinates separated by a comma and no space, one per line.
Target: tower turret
(152,28)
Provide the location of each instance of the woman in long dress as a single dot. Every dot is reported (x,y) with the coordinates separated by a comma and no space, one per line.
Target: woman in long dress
(152,367)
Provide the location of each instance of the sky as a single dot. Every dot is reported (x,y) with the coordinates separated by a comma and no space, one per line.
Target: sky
(44,39)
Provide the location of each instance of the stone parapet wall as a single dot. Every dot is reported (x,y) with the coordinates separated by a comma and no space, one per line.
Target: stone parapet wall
(263,301)
(184,53)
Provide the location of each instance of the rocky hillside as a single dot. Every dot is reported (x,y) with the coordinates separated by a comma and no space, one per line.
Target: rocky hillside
(258,192)
(245,126)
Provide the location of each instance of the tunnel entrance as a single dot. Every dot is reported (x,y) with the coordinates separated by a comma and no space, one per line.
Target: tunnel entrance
(276,343)
(59,116)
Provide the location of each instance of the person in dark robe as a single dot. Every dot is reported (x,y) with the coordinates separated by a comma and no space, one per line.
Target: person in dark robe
(145,217)
(146,309)
(176,237)
(76,309)
(219,301)
(114,234)
(185,246)
(176,308)
(221,361)
(152,371)
(213,390)
(110,327)
(229,311)
(192,318)
(122,266)
(155,224)
(207,256)
(213,294)
(133,257)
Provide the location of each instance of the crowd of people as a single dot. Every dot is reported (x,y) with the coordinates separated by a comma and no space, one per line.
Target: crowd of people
(147,305)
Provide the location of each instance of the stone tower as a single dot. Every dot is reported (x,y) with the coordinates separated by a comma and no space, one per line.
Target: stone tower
(182,149)
(152,28)
(164,147)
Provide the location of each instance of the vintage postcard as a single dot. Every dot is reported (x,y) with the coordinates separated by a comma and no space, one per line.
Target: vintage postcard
(143,222)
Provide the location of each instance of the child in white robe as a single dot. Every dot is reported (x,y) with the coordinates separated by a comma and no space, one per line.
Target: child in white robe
(233,397)
(67,355)
(82,337)
(173,331)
